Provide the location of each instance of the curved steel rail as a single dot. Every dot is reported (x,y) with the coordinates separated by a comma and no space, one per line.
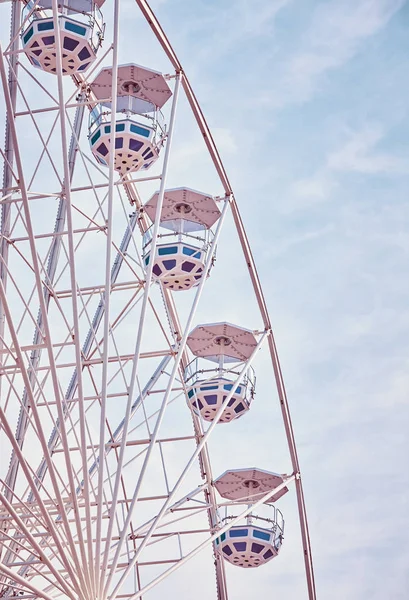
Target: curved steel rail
(217,161)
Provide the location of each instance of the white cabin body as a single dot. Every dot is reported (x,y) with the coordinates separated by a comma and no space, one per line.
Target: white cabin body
(81,33)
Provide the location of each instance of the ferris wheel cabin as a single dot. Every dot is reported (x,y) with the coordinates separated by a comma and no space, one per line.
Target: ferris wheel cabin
(180,255)
(140,128)
(81,33)
(209,388)
(259,539)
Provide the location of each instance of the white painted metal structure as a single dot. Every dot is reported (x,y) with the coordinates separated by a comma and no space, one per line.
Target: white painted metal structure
(100,493)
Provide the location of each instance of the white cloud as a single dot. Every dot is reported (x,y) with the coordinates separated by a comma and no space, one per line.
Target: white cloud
(335,35)
(359,154)
(251,18)
(309,191)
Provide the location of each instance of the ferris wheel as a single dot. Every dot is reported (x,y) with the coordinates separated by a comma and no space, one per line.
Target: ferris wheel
(112,389)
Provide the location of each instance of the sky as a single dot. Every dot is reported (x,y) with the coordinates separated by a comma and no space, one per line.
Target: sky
(308,103)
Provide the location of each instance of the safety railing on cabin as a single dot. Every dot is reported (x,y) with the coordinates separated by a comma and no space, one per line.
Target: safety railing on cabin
(198,370)
(199,241)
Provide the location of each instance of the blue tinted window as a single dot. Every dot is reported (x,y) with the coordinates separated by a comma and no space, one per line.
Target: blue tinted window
(188,266)
(238,532)
(28,35)
(211,399)
(204,388)
(140,130)
(262,535)
(48,40)
(167,250)
(257,548)
(96,137)
(102,149)
(45,26)
(240,546)
(84,54)
(188,251)
(69,43)
(191,393)
(169,264)
(75,28)
(118,127)
(135,145)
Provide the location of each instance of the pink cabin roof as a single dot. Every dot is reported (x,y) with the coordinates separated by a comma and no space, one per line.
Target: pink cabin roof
(135,81)
(249,485)
(199,209)
(222,339)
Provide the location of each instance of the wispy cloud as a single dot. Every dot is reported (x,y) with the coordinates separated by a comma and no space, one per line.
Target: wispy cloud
(359,155)
(235,23)
(311,190)
(336,33)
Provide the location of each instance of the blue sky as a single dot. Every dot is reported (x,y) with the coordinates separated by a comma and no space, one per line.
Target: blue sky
(309,103)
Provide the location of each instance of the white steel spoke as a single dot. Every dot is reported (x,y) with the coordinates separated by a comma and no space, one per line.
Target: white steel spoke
(39,292)
(107,300)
